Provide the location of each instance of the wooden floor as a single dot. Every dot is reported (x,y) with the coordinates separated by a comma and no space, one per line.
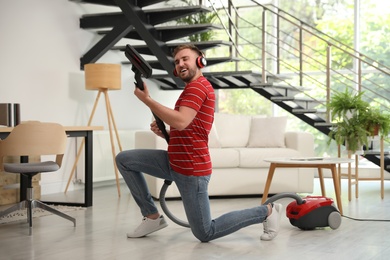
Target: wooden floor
(101,233)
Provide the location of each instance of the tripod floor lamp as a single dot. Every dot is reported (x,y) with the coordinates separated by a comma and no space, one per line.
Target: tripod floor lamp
(102,77)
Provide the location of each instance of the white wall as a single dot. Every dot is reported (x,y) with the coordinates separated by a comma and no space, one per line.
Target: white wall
(41,44)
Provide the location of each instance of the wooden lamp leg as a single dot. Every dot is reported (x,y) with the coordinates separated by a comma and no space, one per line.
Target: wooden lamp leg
(114,124)
(111,123)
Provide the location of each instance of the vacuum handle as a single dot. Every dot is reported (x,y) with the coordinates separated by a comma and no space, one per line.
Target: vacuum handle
(140,84)
(141,67)
(138,80)
(161,126)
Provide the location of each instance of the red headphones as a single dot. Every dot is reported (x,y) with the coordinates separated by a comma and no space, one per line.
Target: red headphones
(201,62)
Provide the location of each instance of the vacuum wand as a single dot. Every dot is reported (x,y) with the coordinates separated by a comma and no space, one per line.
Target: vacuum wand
(141,67)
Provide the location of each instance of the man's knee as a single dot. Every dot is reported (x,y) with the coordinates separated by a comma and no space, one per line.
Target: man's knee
(201,236)
(119,157)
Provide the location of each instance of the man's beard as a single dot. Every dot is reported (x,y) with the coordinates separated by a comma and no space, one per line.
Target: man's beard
(190,75)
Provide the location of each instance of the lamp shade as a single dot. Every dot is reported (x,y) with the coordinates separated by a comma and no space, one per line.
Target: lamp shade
(102,76)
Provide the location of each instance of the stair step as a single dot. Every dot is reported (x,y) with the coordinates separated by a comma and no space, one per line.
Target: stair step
(203,46)
(217,83)
(304,111)
(324,124)
(154,16)
(282,89)
(232,79)
(246,73)
(233,73)
(162,15)
(142,3)
(282,98)
(155,64)
(309,104)
(272,79)
(375,153)
(169,33)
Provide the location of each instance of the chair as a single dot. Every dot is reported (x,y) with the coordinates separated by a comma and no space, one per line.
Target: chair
(34,138)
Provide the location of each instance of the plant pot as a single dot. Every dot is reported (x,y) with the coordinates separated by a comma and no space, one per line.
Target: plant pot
(359,149)
(375,131)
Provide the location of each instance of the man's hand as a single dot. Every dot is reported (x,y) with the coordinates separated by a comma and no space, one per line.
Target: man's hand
(142,95)
(156,130)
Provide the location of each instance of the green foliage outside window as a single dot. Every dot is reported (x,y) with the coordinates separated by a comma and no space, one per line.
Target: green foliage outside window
(244,102)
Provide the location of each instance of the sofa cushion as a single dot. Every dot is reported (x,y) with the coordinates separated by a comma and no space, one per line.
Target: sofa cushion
(233,130)
(224,157)
(267,132)
(213,138)
(254,157)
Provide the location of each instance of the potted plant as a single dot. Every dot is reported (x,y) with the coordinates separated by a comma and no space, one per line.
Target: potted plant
(355,120)
(343,104)
(348,112)
(352,133)
(377,122)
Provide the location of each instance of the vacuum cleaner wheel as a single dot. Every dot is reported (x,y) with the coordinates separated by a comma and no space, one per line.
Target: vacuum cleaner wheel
(334,220)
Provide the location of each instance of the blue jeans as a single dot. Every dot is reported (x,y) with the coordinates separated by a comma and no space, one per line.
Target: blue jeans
(193,190)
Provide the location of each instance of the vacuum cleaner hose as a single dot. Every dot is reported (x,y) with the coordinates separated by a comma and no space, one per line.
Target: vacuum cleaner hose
(182,223)
(165,208)
(285,195)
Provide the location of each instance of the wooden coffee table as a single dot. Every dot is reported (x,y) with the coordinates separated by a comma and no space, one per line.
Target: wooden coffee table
(308,162)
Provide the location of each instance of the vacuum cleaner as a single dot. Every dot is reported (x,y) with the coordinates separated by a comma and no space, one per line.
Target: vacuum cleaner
(314,212)
(306,213)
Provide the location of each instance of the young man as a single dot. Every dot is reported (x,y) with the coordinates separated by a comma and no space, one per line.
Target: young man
(187,161)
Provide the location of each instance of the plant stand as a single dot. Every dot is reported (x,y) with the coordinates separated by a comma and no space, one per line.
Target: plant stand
(353,177)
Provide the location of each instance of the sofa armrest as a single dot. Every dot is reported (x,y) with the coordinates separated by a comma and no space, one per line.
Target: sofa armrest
(146,139)
(300,141)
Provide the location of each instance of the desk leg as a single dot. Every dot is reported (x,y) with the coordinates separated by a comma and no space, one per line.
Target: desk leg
(336,188)
(268,182)
(88,169)
(23,181)
(321,177)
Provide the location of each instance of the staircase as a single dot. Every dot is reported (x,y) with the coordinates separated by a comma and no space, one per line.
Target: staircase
(282,62)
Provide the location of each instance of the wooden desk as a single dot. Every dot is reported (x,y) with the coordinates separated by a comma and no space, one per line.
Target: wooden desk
(326,163)
(71,131)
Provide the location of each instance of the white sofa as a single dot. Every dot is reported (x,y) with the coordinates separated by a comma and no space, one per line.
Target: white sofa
(238,144)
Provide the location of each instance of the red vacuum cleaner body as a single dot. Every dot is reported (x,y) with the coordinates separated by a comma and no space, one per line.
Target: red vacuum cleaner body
(314,212)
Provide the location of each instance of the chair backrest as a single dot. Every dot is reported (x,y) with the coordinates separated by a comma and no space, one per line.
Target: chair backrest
(33,138)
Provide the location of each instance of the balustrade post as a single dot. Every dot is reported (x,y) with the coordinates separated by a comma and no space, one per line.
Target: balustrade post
(328,68)
(263,52)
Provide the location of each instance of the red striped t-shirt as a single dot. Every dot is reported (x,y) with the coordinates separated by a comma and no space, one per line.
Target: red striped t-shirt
(188,149)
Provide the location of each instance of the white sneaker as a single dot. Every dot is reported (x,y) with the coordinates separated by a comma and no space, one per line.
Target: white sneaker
(271,224)
(148,226)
